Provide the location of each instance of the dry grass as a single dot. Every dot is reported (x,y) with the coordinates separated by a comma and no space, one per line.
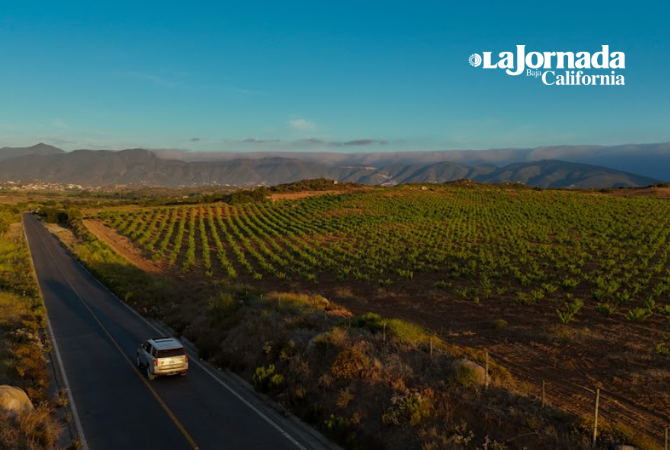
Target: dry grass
(22,361)
(33,430)
(370,386)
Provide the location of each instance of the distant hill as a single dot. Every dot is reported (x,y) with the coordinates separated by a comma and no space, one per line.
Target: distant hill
(561,174)
(650,160)
(39,149)
(143,167)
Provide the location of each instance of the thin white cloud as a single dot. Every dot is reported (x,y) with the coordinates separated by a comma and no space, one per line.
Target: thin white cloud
(152,78)
(242,91)
(57,123)
(302,125)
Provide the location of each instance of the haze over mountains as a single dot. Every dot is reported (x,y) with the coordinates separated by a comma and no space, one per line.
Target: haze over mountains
(650,160)
(534,167)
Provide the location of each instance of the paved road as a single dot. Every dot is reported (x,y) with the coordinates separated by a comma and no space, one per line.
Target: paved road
(117,408)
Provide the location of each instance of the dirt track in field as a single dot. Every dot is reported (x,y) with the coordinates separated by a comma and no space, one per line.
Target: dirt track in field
(123,246)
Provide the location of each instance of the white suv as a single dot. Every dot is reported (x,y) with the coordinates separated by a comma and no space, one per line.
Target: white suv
(162,356)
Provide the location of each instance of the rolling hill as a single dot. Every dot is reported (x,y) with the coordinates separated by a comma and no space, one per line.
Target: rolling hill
(38,149)
(142,167)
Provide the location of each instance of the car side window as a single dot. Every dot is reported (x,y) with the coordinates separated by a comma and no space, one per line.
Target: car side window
(153,351)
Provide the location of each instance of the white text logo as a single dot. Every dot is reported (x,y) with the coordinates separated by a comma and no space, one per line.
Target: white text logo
(539,65)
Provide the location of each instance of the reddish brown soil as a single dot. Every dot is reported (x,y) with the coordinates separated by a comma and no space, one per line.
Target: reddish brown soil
(303,194)
(123,246)
(656,192)
(572,359)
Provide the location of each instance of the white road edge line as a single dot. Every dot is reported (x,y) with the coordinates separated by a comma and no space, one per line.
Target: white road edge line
(285,433)
(73,406)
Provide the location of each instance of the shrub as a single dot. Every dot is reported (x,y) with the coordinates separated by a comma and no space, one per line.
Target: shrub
(442,284)
(349,364)
(499,324)
(522,298)
(222,306)
(417,408)
(571,309)
(605,308)
(266,378)
(337,428)
(405,331)
(468,375)
(371,321)
(662,349)
(344,397)
(385,283)
(37,429)
(638,314)
(412,408)
(569,283)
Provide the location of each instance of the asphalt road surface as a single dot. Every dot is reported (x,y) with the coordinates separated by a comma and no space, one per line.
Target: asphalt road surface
(114,405)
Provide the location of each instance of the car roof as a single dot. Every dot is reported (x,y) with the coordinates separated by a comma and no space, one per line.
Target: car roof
(165,343)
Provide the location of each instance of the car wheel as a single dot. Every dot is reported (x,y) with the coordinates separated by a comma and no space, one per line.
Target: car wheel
(150,375)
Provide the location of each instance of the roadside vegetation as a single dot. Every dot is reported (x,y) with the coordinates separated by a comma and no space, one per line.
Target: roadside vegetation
(22,352)
(369,381)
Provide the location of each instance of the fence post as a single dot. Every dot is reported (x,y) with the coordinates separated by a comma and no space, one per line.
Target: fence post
(486,371)
(595,417)
(542,401)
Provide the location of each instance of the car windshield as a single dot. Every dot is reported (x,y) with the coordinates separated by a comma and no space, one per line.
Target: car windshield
(170,352)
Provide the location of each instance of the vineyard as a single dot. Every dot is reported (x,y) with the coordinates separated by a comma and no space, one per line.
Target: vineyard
(570,288)
(575,250)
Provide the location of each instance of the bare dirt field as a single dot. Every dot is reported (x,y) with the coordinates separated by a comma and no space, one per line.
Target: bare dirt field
(277,196)
(651,191)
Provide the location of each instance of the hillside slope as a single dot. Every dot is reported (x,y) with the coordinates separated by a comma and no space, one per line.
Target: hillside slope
(143,167)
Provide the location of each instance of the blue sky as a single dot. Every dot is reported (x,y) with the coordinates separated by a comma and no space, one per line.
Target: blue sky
(336,76)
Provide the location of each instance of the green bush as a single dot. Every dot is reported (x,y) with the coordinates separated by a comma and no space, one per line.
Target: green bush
(413,408)
(266,378)
(638,314)
(405,331)
(371,321)
(605,309)
(571,309)
(466,376)
(221,307)
(337,428)
(442,284)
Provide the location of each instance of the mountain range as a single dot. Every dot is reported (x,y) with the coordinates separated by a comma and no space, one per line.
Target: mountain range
(49,164)
(650,160)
